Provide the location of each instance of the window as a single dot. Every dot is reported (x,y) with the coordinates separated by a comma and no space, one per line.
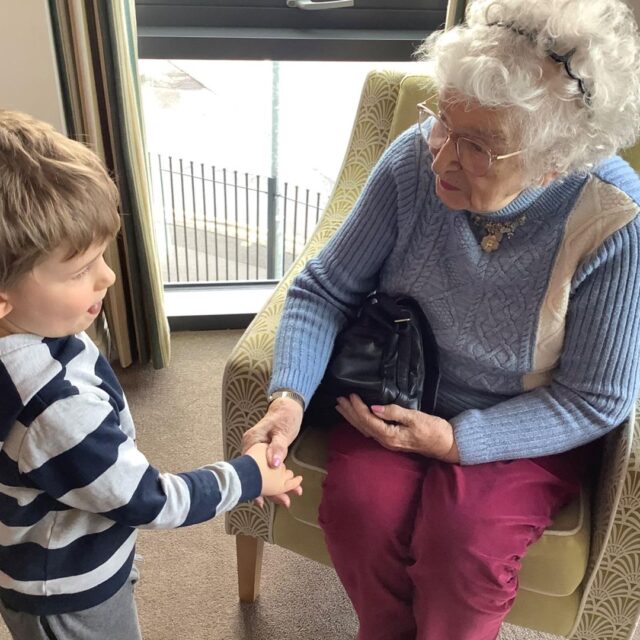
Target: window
(249,106)
(384,30)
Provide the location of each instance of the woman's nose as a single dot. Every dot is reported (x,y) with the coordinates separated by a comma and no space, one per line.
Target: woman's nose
(445,158)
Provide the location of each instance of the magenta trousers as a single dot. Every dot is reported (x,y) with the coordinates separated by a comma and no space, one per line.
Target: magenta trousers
(431,551)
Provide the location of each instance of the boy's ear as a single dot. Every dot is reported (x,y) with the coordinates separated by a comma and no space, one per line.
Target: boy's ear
(5,305)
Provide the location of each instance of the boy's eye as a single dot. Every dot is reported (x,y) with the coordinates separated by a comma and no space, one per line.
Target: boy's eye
(79,275)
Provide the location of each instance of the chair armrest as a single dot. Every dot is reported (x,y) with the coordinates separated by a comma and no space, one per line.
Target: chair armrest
(248,369)
(610,603)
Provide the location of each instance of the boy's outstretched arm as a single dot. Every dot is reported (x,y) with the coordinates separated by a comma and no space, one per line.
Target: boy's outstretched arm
(76,452)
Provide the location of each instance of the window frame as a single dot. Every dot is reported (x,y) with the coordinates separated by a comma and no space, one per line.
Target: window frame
(269,29)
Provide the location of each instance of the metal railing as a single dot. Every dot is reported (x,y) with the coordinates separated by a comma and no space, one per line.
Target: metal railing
(215,224)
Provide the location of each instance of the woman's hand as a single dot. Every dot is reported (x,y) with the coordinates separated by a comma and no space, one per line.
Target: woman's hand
(411,431)
(278,429)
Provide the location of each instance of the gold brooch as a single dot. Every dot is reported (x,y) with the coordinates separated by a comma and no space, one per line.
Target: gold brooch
(495,231)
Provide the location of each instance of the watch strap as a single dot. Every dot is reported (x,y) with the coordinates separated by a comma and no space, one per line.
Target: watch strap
(287,393)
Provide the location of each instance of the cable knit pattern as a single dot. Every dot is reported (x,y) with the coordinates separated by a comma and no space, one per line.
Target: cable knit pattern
(486,308)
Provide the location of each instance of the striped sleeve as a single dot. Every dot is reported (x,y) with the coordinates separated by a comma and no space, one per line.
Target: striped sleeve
(76,452)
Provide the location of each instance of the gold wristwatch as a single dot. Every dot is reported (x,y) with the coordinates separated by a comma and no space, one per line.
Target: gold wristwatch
(287,393)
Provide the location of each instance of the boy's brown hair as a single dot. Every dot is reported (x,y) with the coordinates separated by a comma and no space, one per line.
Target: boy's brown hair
(54,192)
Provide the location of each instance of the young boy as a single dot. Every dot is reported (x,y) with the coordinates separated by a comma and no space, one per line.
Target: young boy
(74,489)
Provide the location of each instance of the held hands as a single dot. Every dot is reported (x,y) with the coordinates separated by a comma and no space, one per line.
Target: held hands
(276,481)
(410,431)
(278,429)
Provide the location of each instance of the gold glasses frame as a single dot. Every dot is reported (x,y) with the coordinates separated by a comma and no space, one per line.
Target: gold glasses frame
(424,112)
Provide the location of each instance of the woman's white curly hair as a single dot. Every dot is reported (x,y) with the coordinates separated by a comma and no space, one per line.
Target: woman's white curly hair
(503,57)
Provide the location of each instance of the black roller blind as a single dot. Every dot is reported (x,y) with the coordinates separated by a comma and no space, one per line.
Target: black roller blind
(269,29)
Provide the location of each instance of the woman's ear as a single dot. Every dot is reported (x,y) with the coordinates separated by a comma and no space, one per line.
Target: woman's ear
(548,177)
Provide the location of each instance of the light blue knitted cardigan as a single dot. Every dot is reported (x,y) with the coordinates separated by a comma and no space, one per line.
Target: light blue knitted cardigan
(485,308)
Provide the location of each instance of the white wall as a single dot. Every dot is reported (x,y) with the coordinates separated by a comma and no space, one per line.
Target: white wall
(28,72)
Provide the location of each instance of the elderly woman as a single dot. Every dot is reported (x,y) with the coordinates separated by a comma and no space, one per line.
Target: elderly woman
(507,216)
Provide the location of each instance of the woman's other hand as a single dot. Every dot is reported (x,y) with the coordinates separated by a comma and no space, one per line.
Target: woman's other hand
(400,429)
(278,429)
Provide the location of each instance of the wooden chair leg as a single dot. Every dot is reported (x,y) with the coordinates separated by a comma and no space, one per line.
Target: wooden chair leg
(249,555)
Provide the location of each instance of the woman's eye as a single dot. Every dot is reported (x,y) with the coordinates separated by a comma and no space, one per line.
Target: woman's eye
(475,147)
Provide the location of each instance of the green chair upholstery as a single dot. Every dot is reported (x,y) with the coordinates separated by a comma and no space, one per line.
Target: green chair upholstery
(580,580)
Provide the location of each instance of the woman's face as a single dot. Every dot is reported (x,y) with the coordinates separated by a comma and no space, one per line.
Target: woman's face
(458,188)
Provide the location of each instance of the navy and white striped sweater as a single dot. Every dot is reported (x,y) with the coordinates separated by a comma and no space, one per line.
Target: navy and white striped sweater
(73,486)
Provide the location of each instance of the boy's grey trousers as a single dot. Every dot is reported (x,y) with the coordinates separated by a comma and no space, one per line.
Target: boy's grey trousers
(114,619)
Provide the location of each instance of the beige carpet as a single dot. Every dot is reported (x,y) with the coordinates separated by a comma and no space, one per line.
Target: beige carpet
(188,585)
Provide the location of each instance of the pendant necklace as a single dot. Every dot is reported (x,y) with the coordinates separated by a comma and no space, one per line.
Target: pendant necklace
(495,231)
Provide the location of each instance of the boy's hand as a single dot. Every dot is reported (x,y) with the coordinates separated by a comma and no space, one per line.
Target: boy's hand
(276,481)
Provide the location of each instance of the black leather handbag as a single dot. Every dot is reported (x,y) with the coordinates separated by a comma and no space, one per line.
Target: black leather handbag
(386,355)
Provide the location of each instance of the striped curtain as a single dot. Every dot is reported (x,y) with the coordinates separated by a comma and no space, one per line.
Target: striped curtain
(97,60)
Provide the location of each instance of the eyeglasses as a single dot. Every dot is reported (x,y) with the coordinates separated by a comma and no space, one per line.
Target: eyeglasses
(473,156)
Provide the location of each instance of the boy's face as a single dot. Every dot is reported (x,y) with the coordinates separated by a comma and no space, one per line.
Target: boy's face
(58,297)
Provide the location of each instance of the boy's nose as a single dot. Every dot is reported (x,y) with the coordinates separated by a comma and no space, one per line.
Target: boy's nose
(107,276)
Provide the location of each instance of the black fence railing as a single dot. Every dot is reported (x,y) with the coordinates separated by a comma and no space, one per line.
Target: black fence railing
(215,224)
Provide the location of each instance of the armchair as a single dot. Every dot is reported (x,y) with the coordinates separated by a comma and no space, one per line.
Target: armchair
(580,580)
